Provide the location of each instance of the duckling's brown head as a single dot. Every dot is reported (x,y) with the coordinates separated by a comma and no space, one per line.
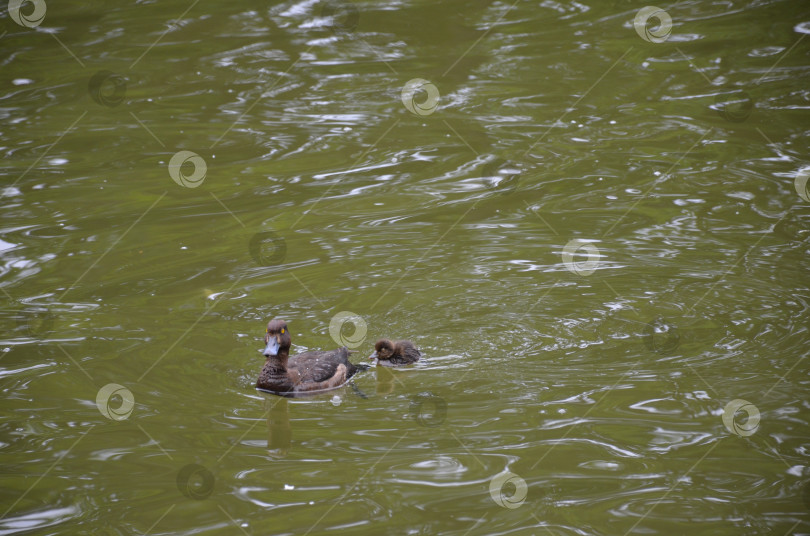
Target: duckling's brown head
(383,350)
(277,338)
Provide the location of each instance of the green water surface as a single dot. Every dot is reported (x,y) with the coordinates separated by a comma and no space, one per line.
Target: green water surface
(596,232)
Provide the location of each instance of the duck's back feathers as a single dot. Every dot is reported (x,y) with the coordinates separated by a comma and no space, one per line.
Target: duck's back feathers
(320,365)
(407,352)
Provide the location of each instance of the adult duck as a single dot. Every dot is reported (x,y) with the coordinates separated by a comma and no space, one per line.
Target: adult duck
(395,354)
(310,371)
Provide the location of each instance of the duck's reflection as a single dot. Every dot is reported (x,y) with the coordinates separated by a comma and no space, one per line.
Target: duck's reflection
(279,431)
(385,380)
(276,406)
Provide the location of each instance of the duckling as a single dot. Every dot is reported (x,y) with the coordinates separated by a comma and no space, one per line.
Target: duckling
(390,354)
(310,371)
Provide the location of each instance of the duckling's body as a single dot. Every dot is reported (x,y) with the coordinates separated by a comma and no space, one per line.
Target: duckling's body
(309,371)
(395,354)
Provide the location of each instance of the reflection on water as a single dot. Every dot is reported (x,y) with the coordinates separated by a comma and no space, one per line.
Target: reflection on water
(279,431)
(591,218)
(385,380)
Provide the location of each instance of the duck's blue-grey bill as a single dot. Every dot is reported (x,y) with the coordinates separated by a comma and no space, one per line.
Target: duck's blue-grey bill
(272,348)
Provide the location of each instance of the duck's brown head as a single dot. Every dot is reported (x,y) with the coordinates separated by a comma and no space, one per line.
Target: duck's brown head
(277,338)
(383,350)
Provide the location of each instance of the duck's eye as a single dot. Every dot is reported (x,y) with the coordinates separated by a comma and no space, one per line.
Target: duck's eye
(282,331)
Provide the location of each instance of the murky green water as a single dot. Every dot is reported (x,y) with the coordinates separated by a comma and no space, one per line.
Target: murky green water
(593,233)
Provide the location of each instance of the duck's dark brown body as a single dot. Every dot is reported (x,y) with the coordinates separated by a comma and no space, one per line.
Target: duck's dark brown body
(390,354)
(309,371)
